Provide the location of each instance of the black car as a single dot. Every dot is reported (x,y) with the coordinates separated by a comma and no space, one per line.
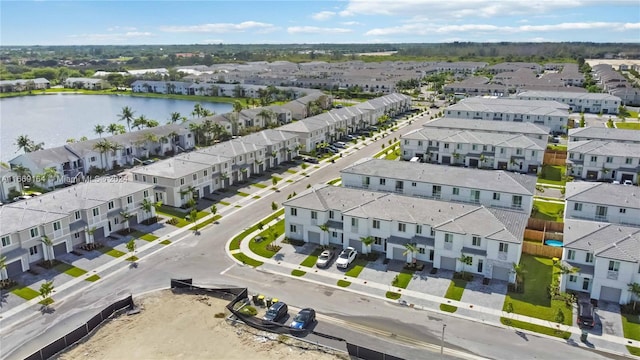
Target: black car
(304,318)
(276,312)
(586,314)
(311,160)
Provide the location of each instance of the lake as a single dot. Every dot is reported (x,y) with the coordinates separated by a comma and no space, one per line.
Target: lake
(54,118)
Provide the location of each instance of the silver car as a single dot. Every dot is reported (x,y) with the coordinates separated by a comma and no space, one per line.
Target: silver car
(325,258)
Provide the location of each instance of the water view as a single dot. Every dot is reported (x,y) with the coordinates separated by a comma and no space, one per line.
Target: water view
(53,119)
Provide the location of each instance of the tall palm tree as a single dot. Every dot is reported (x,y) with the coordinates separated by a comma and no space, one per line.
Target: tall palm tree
(24,143)
(22,171)
(99,129)
(50,173)
(519,270)
(196,129)
(125,216)
(127,115)
(466,260)
(147,205)
(197,110)
(47,244)
(3,269)
(266,115)
(103,146)
(175,117)
(367,241)
(140,122)
(634,289)
(112,129)
(410,248)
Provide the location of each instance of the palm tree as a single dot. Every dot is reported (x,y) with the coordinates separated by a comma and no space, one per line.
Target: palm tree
(411,249)
(197,110)
(126,115)
(50,173)
(3,270)
(266,115)
(125,216)
(24,143)
(115,129)
(367,241)
(196,129)
(147,206)
(466,260)
(47,244)
(99,129)
(90,232)
(23,172)
(634,289)
(140,122)
(175,117)
(46,289)
(103,146)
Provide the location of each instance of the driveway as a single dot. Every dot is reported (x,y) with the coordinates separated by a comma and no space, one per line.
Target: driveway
(610,320)
(490,296)
(432,284)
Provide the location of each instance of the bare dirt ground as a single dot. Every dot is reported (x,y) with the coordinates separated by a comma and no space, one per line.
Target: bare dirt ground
(184,327)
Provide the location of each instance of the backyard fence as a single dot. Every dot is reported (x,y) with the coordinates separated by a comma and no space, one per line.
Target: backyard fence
(555,157)
(541,250)
(83,330)
(541,236)
(545,225)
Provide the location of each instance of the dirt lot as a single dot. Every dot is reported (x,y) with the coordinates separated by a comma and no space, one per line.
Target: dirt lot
(184,327)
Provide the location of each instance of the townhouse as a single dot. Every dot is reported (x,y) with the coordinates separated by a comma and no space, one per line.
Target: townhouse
(10,184)
(531,130)
(24,85)
(86,83)
(601,240)
(278,146)
(551,114)
(69,217)
(594,103)
(499,189)
(440,231)
(477,149)
(604,134)
(603,160)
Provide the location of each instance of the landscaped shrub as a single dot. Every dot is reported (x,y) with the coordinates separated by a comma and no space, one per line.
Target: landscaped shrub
(249,310)
(173,221)
(293,242)
(273,247)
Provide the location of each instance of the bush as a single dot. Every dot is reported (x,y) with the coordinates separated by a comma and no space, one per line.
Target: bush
(249,310)
(173,221)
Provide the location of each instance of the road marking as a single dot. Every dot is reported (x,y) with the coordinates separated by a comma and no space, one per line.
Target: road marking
(230,266)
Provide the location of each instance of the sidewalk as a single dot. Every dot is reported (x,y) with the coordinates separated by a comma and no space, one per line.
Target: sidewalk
(378,290)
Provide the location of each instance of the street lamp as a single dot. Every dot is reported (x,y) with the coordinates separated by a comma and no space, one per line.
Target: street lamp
(442,340)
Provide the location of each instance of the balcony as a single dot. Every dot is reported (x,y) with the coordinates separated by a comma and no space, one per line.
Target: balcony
(612,275)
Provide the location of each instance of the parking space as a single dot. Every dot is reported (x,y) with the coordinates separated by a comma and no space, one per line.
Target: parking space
(294,254)
(490,296)
(608,318)
(432,284)
(377,271)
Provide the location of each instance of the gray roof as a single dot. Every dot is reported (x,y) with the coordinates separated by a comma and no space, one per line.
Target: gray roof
(172,168)
(568,95)
(492,180)
(609,241)
(268,137)
(16,219)
(605,148)
(489,126)
(605,133)
(511,106)
(603,194)
(478,137)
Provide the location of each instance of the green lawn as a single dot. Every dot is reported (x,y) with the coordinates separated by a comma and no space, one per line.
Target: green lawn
(182,222)
(261,247)
(93,278)
(298,273)
(393,295)
(243,194)
(334,181)
(111,251)
(537,328)
(256,197)
(132,258)
(25,292)
(277,178)
(535,301)
(206,222)
(548,211)
(70,269)
(631,326)
(148,237)
(171,211)
(258,185)
(454,292)
(552,174)
(357,267)
(224,203)
(394,155)
(291,171)
(343,283)
(557,147)
(633,350)
(311,260)
(403,279)
(628,125)
(235,243)
(165,242)
(247,260)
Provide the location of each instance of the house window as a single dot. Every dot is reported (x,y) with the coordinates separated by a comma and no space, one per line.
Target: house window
(334,234)
(589,258)
(182,181)
(573,278)
(571,255)
(56,226)
(376,224)
(155,180)
(6,241)
(474,147)
(496,196)
(448,238)
(628,161)
(436,190)
(623,211)
(135,177)
(116,220)
(456,191)
(458,146)
(421,250)
(446,146)
(601,211)
(432,232)
(609,159)
(33,250)
(419,143)
(206,173)
(577,207)
(594,158)
(501,150)
(110,205)
(314,215)
(475,240)
(195,177)
(518,151)
(293,229)
(516,201)
(92,159)
(377,240)
(402,227)
(504,247)
(76,235)
(129,199)
(294,212)
(145,193)
(431,254)
(614,265)
(533,154)
(414,184)
(144,178)
(383,181)
(418,229)
(331,214)
(77,215)
(354,222)
(34,232)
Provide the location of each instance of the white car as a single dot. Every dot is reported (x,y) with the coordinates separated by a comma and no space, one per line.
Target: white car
(627,182)
(346,257)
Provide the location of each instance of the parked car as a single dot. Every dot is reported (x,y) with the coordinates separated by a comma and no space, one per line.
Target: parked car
(586,314)
(338,145)
(276,312)
(627,182)
(346,257)
(342,144)
(351,137)
(311,160)
(325,258)
(304,318)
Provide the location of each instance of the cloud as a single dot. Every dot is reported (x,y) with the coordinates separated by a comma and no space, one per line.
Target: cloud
(350,23)
(221,28)
(323,15)
(122,28)
(316,30)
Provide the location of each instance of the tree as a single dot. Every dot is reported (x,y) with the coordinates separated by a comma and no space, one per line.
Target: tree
(274,180)
(274,206)
(23,142)
(197,110)
(634,289)
(3,269)
(23,173)
(115,129)
(126,115)
(49,174)
(466,260)
(140,122)
(103,146)
(47,245)
(46,289)
(147,205)
(175,117)
(125,217)
(99,129)
(131,246)
(197,130)
(90,232)
(367,241)
(410,249)
(565,270)
(193,216)
(266,115)
(519,270)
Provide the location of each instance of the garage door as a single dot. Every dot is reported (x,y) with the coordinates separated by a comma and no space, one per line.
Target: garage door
(60,249)
(355,243)
(206,191)
(14,269)
(314,237)
(627,177)
(448,263)
(98,234)
(446,159)
(610,294)
(500,273)
(473,162)
(398,254)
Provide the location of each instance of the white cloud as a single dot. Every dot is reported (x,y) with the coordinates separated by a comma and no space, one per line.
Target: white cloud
(221,28)
(316,30)
(350,23)
(323,15)
(122,28)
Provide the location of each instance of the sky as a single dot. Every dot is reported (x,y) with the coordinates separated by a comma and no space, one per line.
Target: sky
(114,22)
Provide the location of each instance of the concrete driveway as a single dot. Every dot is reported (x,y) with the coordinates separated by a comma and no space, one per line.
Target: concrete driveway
(608,319)
(491,296)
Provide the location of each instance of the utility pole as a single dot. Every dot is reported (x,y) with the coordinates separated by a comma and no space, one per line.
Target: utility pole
(442,340)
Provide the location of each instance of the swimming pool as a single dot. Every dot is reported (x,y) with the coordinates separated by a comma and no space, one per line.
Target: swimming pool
(554,243)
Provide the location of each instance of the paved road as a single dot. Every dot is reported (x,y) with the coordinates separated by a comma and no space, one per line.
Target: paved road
(360,319)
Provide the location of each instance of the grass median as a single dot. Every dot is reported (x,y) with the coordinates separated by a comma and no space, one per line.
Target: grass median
(311,260)
(454,292)
(235,243)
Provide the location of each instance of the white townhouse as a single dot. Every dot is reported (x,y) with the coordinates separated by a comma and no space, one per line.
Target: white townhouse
(605,202)
(10,184)
(594,103)
(442,231)
(605,258)
(604,160)
(531,130)
(86,83)
(475,149)
(263,117)
(69,217)
(499,189)
(604,134)
(246,158)
(24,84)
(278,146)
(309,132)
(551,114)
